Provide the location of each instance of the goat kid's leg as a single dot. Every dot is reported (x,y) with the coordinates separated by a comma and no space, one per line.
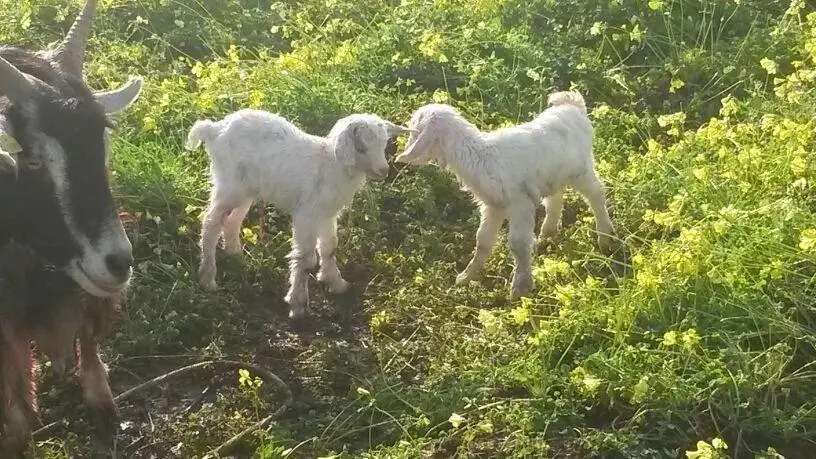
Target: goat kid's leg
(96,391)
(592,190)
(214,221)
(521,237)
(554,204)
(302,259)
(329,273)
(232,228)
(486,236)
(18,390)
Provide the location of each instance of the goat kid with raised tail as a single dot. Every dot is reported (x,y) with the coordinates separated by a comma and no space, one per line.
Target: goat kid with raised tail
(511,171)
(257,155)
(65,260)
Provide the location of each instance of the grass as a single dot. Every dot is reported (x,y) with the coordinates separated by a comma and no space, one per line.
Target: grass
(696,338)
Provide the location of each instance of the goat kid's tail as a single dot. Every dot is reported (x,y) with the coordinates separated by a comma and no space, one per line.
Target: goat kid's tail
(567,98)
(203,131)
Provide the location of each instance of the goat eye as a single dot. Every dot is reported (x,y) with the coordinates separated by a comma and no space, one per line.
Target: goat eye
(34,164)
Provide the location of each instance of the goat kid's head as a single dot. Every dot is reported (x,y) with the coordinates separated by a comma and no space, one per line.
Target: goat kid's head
(360,141)
(428,125)
(64,207)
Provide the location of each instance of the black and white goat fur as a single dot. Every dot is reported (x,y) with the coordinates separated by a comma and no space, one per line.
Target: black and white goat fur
(65,259)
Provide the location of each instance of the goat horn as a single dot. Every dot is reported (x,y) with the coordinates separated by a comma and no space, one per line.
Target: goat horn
(14,84)
(70,54)
(396,129)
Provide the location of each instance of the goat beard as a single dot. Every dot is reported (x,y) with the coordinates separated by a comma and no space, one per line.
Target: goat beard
(53,307)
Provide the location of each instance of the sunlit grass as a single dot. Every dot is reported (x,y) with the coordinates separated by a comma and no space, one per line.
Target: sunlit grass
(696,335)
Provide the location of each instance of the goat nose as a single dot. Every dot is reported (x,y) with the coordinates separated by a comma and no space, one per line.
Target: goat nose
(119,264)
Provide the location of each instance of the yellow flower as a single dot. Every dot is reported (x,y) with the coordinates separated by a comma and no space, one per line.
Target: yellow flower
(489,321)
(807,241)
(769,65)
(690,338)
(521,315)
(640,389)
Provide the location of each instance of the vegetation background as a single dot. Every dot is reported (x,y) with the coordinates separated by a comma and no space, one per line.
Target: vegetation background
(695,339)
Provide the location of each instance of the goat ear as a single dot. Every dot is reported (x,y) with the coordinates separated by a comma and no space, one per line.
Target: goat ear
(418,148)
(358,141)
(119,99)
(347,144)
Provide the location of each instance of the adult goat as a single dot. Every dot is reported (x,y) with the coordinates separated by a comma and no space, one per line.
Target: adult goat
(65,256)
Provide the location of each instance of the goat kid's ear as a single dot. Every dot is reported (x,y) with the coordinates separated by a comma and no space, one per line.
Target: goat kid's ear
(347,144)
(358,141)
(119,99)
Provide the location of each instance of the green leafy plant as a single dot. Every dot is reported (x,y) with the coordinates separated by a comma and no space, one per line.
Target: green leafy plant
(698,333)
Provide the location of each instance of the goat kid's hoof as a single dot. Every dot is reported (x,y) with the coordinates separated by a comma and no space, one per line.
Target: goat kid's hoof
(547,235)
(543,244)
(298,313)
(208,286)
(298,305)
(334,284)
(233,249)
(464,277)
(206,279)
(606,245)
(521,287)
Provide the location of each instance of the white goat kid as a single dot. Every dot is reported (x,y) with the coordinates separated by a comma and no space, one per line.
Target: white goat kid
(511,170)
(257,155)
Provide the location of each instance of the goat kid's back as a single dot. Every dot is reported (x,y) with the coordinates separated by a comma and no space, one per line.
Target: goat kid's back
(566,121)
(572,98)
(557,144)
(250,149)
